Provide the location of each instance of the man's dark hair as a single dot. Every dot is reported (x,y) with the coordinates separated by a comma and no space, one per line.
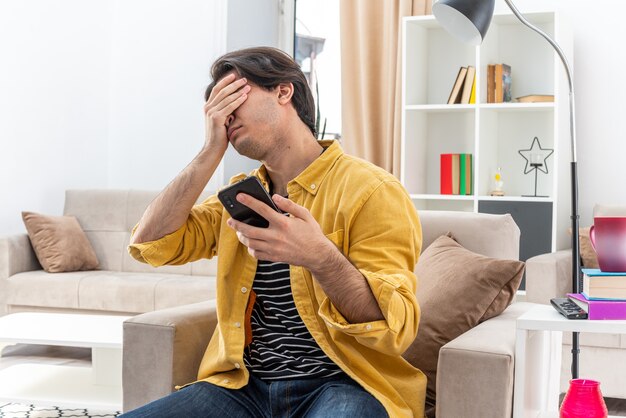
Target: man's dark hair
(267,68)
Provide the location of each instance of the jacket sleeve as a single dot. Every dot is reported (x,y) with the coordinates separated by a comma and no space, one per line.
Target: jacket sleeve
(197,238)
(385,241)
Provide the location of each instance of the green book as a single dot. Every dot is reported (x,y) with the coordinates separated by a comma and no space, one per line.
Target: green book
(462,170)
(465,174)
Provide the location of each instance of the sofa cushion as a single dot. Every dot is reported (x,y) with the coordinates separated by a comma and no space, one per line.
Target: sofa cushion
(457,290)
(587,253)
(41,289)
(107,290)
(59,243)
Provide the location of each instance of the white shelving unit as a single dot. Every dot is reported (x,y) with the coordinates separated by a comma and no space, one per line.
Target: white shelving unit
(492,132)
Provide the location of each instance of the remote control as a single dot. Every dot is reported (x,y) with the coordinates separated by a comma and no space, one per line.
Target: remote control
(568,309)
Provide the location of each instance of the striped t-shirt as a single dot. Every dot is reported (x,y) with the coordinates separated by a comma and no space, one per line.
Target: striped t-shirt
(282,347)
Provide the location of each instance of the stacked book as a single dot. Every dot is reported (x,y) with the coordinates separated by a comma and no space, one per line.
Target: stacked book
(464,87)
(498,83)
(456,174)
(603,296)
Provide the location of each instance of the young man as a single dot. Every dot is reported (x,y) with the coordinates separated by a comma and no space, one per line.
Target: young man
(314,311)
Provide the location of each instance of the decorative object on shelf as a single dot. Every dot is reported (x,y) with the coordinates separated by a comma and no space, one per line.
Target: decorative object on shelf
(583,399)
(536,160)
(535,98)
(469,21)
(497,184)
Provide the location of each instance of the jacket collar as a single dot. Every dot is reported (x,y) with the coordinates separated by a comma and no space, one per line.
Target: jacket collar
(311,177)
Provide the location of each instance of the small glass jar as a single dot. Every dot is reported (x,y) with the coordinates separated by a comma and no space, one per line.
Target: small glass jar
(583,400)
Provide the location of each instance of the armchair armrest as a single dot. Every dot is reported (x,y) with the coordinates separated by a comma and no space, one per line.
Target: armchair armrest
(163,349)
(548,276)
(475,370)
(16,256)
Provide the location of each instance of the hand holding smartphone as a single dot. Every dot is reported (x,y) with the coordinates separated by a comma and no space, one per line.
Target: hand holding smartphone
(250,186)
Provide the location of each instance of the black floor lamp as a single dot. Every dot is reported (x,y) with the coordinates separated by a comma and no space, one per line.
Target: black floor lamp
(469,21)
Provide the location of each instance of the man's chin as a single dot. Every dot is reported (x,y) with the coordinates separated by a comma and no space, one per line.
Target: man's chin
(247,148)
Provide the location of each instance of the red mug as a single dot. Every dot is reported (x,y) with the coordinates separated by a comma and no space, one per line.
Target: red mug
(608,238)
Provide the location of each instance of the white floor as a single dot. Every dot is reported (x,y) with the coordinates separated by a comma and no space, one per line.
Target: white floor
(21,354)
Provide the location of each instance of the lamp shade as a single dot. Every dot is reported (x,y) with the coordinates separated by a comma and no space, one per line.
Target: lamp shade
(468,20)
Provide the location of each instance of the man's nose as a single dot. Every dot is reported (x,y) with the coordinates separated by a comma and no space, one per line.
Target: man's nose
(230,119)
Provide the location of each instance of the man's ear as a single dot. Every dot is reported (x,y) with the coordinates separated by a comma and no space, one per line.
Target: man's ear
(285,92)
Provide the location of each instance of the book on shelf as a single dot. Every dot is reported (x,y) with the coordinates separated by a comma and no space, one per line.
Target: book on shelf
(604,285)
(497,80)
(473,93)
(599,309)
(502,83)
(465,170)
(506,83)
(470,80)
(449,179)
(499,83)
(457,88)
(535,98)
(456,174)
(491,83)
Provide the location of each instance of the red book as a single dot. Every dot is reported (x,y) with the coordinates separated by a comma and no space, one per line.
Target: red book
(450,173)
(446,174)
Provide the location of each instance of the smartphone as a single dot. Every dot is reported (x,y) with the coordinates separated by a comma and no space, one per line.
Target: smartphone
(250,186)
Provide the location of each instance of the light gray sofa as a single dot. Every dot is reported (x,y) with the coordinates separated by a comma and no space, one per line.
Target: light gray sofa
(120,286)
(602,356)
(163,349)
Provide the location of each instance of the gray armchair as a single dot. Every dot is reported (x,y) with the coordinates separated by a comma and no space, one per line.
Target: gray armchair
(475,371)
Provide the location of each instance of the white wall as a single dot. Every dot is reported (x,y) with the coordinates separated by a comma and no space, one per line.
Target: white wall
(598,62)
(161,57)
(97,94)
(109,94)
(250,23)
(53,103)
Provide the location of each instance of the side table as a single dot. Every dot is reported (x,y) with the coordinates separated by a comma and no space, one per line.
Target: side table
(538,358)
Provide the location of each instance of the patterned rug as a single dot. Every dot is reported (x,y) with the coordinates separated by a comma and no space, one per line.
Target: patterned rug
(15,410)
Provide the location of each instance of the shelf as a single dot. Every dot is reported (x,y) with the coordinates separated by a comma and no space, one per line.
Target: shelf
(492,132)
(516,107)
(441,197)
(426,196)
(436,108)
(516,198)
(500,107)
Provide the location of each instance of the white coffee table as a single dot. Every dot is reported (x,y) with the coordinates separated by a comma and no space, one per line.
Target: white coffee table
(538,358)
(97,387)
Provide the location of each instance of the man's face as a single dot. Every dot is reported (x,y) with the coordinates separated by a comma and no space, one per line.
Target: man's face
(252,128)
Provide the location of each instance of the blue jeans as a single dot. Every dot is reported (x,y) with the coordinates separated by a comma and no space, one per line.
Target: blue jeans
(334,397)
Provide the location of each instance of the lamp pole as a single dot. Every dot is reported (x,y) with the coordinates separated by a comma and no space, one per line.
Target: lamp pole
(573,173)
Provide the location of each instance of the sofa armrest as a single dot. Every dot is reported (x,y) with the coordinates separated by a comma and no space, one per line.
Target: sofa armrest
(163,349)
(16,256)
(475,370)
(548,276)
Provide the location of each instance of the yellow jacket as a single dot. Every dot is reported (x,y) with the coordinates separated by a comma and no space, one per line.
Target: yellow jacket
(367,213)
